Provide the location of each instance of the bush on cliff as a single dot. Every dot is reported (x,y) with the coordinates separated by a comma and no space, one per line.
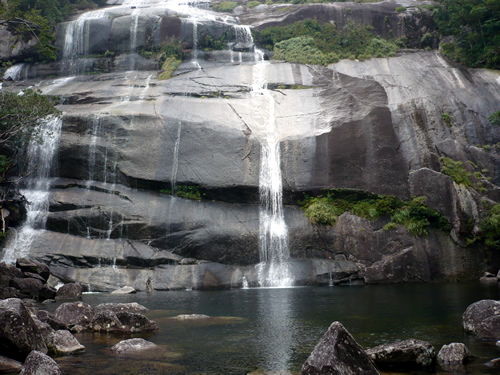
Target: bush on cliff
(310,42)
(412,214)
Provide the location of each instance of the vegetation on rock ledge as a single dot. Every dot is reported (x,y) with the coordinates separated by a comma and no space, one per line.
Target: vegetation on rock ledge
(310,42)
(412,214)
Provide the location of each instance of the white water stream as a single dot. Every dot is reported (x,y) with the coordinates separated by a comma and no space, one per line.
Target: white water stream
(40,164)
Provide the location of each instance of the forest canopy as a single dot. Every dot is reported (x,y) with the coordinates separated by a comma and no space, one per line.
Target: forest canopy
(475,28)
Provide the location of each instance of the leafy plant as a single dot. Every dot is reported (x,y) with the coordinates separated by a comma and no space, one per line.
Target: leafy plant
(456,170)
(169,66)
(253,4)
(446,118)
(400,9)
(413,214)
(494,118)
(185,191)
(225,6)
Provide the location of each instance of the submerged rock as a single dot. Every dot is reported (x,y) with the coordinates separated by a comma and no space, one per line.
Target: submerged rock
(19,334)
(338,353)
(124,290)
(191,316)
(403,354)
(452,357)
(38,363)
(62,342)
(132,345)
(122,322)
(132,307)
(482,319)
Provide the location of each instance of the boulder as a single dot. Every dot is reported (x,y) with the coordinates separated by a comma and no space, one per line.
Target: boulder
(488,278)
(122,322)
(132,345)
(453,356)
(482,318)
(62,342)
(9,292)
(43,328)
(8,366)
(19,334)
(132,307)
(69,291)
(8,271)
(47,292)
(31,265)
(75,314)
(495,363)
(46,317)
(38,363)
(406,354)
(338,353)
(124,290)
(136,323)
(27,286)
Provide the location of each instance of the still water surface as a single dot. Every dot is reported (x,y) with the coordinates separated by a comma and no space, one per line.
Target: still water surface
(276,329)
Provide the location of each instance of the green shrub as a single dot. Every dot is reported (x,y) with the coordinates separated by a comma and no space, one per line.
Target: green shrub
(490,228)
(225,6)
(185,191)
(310,42)
(456,170)
(446,118)
(413,214)
(494,118)
(400,9)
(253,4)
(171,63)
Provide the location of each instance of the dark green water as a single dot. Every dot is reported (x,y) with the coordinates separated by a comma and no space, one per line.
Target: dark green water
(276,329)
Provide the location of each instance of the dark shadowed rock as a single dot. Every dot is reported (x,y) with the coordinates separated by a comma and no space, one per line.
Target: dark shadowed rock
(452,357)
(27,286)
(338,353)
(495,363)
(43,328)
(9,292)
(50,319)
(122,322)
(489,279)
(38,363)
(19,334)
(132,345)
(75,314)
(47,292)
(69,291)
(9,366)
(135,323)
(132,307)
(31,265)
(9,272)
(482,318)
(405,354)
(62,342)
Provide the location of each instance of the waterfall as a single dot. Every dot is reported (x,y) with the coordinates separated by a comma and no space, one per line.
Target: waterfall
(243,38)
(76,40)
(273,271)
(14,73)
(40,157)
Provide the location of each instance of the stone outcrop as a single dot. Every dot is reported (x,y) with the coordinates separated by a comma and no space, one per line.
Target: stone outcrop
(338,353)
(404,354)
(19,334)
(28,279)
(69,291)
(374,125)
(39,363)
(75,314)
(482,319)
(454,356)
(62,342)
(132,346)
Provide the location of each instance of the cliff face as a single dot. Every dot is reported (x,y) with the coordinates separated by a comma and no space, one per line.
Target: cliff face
(375,125)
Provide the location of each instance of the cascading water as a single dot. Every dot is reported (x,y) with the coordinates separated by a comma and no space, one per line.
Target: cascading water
(14,73)
(273,271)
(40,163)
(76,41)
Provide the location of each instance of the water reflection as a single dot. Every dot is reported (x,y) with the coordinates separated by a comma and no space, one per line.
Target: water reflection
(277,333)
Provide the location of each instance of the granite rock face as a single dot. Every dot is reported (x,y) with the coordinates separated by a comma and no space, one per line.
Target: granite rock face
(375,125)
(482,319)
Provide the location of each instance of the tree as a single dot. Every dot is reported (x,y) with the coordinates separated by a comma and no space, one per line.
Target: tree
(20,114)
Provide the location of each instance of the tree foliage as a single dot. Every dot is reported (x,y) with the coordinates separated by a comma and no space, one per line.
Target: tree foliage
(311,42)
(475,27)
(36,19)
